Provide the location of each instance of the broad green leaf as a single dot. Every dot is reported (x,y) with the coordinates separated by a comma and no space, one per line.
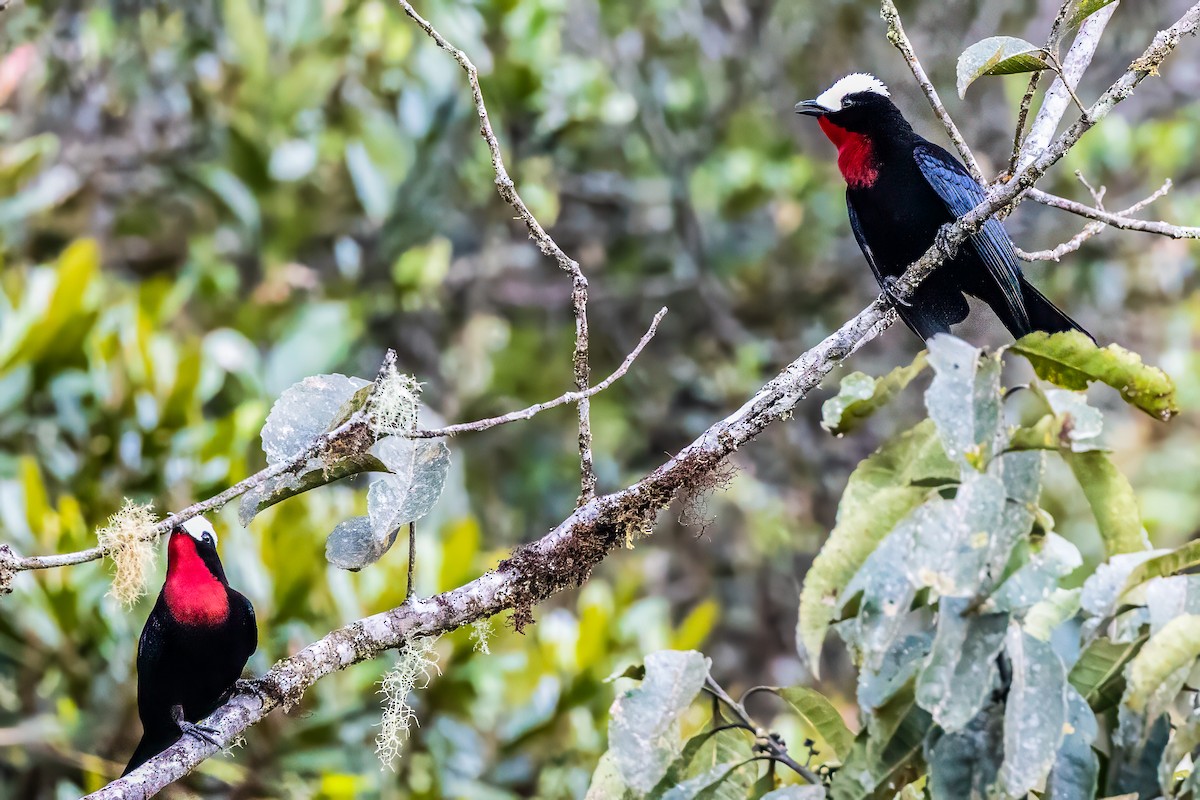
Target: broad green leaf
(1182,744)
(1046,615)
(281,487)
(1113,502)
(1072,360)
(1037,578)
(897,667)
(796,792)
(707,783)
(1084,9)
(303,412)
(1171,597)
(964,399)
(998,55)
(1099,665)
(418,469)
(74,272)
(863,774)
(860,396)
(232,192)
(1160,565)
(643,728)
(1103,588)
(886,592)
(884,489)
(1076,768)
(964,764)
(1034,712)
(822,716)
(702,754)
(961,668)
(606,781)
(1133,767)
(1173,648)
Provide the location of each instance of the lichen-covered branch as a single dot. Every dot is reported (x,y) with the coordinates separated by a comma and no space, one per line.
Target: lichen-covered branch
(545,243)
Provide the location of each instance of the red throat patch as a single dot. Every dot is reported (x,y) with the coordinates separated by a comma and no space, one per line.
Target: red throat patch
(856,154)
(194,596)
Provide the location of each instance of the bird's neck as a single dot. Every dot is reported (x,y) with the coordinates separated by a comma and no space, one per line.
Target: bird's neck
(857,158)
(194,596)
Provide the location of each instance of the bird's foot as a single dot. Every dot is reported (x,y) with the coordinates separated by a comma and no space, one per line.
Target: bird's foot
(891,288)
(205,733)
(257,687)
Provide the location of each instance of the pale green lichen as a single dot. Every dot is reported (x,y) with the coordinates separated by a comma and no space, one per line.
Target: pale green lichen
(414,670)
(481,634)
(129,540)
(394,404)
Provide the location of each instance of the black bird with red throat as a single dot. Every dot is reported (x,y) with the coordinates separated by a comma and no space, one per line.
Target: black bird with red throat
(195,644)
(900,190)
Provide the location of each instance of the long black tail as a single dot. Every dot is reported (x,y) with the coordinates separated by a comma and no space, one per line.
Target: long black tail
(1044,315)
(150,746)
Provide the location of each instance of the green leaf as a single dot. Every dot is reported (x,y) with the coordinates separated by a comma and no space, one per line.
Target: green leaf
(702,754)
(822,716)
(1100,664)
(1076,768)
(1113,502)
(1084,9)
(865,772)
(860,396)
(964,399)
(303,412)
(1174,647)
(1037,578)
(374,192)
(643,727)
(75,269)
(1072,360)
(882,490)
(356,403)
(707,783)
(281,487)
(796,792)
(1044,616)
(1182,558)
(1034,712)
(998,55)
(607,783)
(961,668)
(964,764)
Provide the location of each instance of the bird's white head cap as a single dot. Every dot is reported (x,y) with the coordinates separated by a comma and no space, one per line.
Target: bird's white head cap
(853,83)
(196,527)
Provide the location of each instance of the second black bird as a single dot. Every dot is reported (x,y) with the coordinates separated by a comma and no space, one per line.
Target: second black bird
(900,189)
(195,644)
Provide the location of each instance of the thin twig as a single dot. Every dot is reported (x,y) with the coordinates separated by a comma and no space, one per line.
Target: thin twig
(412,560)
(772,746)
(561,400)
(1058,96)
(579,284)
(1120,219)
(897,36)
(1052,41)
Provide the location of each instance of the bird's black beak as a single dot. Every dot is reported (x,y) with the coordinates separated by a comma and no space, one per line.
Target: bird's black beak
(811,108)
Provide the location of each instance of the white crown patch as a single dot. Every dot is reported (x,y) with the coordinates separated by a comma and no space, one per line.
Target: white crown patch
(853,83)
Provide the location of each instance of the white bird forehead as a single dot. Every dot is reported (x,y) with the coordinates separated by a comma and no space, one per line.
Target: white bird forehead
(196,527)
(853,83)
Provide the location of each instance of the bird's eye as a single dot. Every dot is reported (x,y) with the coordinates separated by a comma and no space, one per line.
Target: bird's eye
(208,538)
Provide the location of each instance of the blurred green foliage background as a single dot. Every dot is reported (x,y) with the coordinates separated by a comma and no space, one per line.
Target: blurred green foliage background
(279,188)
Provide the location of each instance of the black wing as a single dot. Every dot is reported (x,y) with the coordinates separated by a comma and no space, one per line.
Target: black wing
(152,646)
(249,622)
(961,193)
(861,238)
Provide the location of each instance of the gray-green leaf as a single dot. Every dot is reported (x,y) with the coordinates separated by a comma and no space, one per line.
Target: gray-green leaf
(961,669)
(418,475)
(1034,712)
(281,487)
(643,728)
(964,399)
(303,412)
(998,55)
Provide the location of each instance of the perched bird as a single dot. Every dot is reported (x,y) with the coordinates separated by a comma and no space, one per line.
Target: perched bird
(195,643)
(900,189)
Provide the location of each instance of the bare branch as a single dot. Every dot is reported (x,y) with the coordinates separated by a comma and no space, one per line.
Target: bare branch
(899,38)
(579,284)
(1034,79)
(1120,219)
(561,400)
(1090,230)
